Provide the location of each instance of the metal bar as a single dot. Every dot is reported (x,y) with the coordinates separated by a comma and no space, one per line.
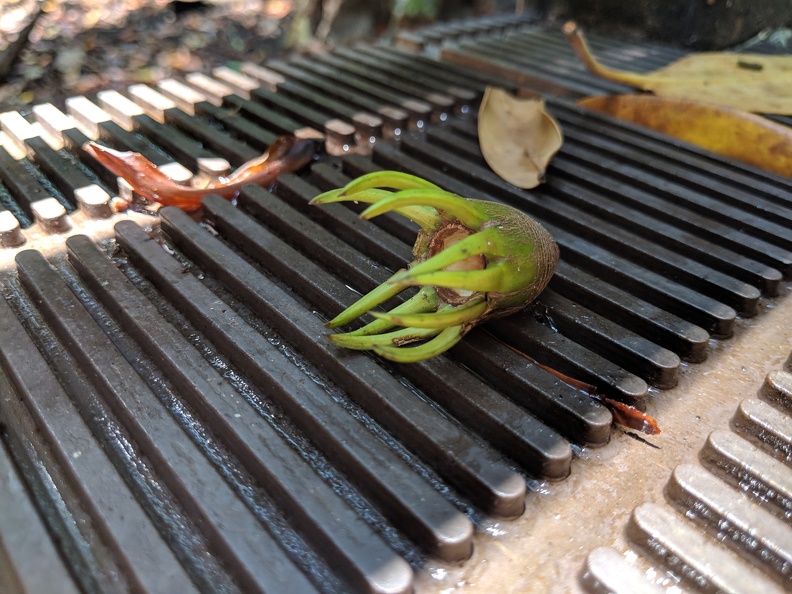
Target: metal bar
(339,131)
(747,468)
(712,315)
(594,192)
(359,233)
(656,324)
(698,202)
(752,532)
(185,149)
(402,93)
(560,67)
(696,558)
(418,111)
(439,442)
(552,348)
(571,413)
(326,177)
(30,561)
(683,159)
(474,59)
(237,537)
(217,141)
(142,556)
(24,183)
(81,548)
(269,118)
(638,355)
(316,76)
(594,215)
(463,97)
(760,423)
(608,572)
(55,504)
(560,406)
(494,417)
(448,71)
(323,518)
(363,457)
(444,80)
(61,168)
(254,135)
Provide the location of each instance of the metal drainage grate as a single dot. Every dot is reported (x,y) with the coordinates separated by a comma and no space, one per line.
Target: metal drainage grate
(735,534)
(176,415)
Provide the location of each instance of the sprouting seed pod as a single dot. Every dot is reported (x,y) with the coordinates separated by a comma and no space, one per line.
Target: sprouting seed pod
(474,260)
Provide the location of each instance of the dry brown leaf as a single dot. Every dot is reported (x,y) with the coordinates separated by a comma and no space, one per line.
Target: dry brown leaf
(732,132)
(517,136)
(752,82)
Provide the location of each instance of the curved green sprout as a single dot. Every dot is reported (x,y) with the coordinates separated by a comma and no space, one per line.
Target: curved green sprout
(473,260)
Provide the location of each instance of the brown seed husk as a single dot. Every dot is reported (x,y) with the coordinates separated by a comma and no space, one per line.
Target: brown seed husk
(449,234)
(517,136)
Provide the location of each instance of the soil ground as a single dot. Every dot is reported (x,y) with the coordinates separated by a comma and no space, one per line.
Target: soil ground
(84,46)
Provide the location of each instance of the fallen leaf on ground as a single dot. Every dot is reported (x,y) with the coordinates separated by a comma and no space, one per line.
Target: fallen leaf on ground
(731,132)
(752,82)
(517,136)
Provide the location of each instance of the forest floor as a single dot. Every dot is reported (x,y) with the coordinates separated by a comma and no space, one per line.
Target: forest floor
(83,46)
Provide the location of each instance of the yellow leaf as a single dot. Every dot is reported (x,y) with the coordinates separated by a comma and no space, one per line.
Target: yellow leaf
(517,136)
(752,82)
(732,132)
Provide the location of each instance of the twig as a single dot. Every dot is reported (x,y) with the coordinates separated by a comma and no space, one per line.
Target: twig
(623,414)
(330,9)
(8,56)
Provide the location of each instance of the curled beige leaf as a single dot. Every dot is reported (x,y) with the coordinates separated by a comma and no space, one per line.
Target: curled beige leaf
(517,136)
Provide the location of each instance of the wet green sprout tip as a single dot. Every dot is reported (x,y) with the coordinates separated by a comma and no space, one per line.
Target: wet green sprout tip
(473,260)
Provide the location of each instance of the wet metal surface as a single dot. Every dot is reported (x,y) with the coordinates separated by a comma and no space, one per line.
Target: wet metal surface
(175,367)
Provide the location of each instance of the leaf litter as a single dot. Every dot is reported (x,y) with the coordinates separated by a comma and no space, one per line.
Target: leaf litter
(734,133)
(517,136)
(753,82)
